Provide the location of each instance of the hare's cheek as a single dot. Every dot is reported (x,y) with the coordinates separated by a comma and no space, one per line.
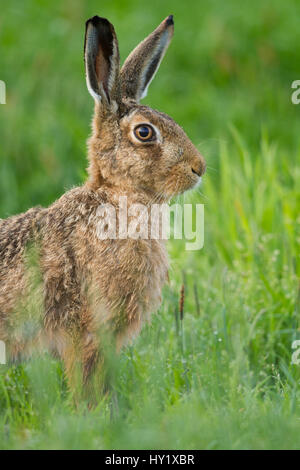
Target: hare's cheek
(174,182)
(181,179)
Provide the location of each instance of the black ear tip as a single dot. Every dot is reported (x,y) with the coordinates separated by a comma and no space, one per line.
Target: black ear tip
(96,20)
(169,20)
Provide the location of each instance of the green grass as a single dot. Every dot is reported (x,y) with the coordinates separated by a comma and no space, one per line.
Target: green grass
(221,378)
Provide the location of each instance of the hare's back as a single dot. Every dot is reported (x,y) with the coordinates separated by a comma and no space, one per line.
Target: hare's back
(15,233)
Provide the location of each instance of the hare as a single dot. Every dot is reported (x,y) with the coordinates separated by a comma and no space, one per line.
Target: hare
(85,283)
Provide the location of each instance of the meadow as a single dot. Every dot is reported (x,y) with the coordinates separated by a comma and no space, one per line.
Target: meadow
(220,377)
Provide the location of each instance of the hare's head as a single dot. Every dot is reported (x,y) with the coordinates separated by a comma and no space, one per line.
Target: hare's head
(133,147)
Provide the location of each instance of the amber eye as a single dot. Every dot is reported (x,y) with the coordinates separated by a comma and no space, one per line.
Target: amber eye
(144,132)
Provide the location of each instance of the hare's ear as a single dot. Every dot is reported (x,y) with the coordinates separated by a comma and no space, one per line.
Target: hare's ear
(142,64)
(102,60)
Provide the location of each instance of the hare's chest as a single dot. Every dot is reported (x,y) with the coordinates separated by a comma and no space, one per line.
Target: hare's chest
(130,275)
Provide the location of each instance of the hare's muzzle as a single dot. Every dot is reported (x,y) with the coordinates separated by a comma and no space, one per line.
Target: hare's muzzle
(198,165)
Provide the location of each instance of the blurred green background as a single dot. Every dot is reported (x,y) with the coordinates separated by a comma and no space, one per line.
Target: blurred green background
(222,377)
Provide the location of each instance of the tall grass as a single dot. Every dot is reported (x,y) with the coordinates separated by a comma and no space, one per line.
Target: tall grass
(221,376)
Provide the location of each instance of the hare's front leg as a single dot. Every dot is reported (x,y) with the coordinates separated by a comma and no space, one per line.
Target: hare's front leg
(83,364)
(93,370)
(98,350)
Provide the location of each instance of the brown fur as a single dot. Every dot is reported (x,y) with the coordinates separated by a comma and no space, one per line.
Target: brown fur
(88,285)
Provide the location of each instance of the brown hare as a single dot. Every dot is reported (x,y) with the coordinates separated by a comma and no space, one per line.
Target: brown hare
(85,283)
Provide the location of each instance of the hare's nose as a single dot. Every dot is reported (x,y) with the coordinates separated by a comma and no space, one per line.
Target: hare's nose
(199,165)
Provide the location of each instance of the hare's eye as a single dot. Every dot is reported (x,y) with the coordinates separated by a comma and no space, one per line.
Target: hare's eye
(144,132)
